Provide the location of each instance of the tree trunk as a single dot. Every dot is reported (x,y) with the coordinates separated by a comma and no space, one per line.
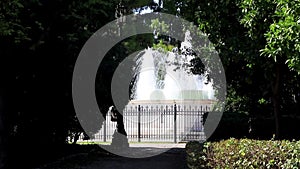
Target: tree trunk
(3,136)
(276,102)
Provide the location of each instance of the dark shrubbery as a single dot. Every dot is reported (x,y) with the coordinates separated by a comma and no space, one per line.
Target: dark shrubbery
(244,153)
(231,125)
(238,125)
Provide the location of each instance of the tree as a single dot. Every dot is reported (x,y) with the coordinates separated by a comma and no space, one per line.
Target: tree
(276,24)
(11,32)
(242,31)
(40,41)
(282,35)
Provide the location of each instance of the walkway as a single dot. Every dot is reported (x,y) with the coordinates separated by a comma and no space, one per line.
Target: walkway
(174,158)
(169,156)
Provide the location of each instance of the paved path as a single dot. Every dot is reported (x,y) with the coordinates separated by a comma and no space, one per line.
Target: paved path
(167,156)
(174,158)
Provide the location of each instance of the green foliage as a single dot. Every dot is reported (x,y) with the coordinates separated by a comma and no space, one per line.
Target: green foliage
(220,20)
(246,153)
(162,47)
(283,36)
(262,101)
(160,27)
(235,102)
(196,157)
(10,22)
(279,21)
(40,42)
(242,31)
(137,42)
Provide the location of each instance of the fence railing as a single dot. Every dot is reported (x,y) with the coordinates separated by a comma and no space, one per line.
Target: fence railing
(160,123)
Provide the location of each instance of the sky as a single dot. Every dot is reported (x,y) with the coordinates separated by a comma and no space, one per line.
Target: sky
(146,9)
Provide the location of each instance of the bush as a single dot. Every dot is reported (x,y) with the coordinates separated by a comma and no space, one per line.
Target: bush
(195,157)
(231,125)
(245,153)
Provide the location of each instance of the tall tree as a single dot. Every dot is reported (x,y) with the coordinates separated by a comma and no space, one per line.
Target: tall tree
(277,25)
(12,33)
(40,41)
(242,31)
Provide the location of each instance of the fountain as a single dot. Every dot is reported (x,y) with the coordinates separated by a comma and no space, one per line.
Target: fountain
(163,77)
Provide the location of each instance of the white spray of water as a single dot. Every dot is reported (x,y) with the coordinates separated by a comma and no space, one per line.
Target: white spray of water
(163,76)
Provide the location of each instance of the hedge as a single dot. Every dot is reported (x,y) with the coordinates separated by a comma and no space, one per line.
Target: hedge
(244,153)
(237,125)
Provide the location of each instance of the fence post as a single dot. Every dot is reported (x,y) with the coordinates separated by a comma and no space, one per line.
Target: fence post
(139,123)
(104,130)
(175,127)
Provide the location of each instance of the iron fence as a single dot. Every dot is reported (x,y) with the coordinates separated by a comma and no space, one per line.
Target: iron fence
(158,123)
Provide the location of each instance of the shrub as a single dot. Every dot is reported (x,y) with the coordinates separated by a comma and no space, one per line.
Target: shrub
(195,156)
(245,153)
(232,124)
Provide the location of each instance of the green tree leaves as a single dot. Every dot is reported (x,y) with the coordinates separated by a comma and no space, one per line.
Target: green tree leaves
(279,21)
(10,22)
